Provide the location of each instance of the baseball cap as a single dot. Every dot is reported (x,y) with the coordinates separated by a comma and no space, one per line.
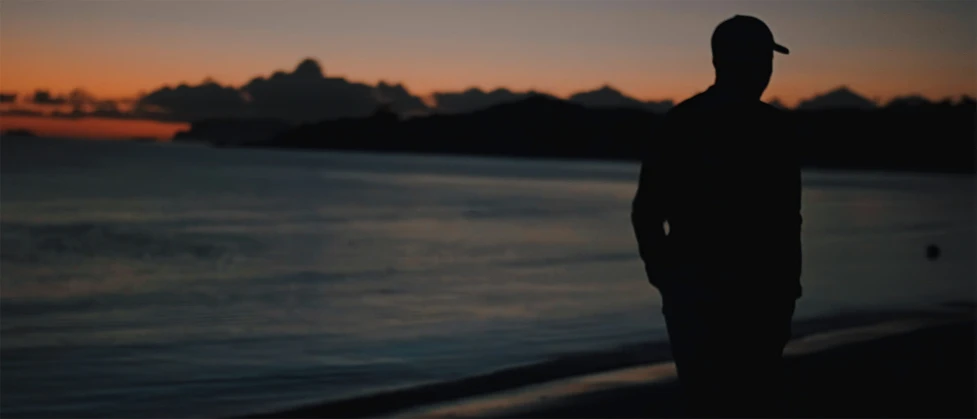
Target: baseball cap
(743,35)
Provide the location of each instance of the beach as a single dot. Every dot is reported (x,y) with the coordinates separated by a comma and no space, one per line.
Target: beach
(909,366)
(923,373)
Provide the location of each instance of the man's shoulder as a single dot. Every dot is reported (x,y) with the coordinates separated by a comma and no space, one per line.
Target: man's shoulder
(686,112)
(778,118)
(769,109)
(706,110)
(692,104)
(705,102)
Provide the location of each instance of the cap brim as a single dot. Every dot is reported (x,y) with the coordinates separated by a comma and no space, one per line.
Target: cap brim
(781,49)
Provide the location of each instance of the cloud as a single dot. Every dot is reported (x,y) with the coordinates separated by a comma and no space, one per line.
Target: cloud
(307,95)
(184,102)
(304,95)
(402,102)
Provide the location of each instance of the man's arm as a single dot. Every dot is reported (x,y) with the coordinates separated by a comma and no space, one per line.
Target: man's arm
(796,170)
(791,140)
(648,212)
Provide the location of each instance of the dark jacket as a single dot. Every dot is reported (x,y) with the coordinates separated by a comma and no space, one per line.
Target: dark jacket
(724,174)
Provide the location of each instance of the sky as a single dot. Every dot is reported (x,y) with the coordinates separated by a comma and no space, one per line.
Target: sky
(648,49)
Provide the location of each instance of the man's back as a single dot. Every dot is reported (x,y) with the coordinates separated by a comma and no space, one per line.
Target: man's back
(724,174)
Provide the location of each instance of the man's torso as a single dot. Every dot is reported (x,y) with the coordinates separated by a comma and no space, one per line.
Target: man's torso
(732,186)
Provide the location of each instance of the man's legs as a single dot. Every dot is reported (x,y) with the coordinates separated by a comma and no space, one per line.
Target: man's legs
(728,351)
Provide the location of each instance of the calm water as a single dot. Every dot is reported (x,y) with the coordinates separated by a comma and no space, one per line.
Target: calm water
(169,280)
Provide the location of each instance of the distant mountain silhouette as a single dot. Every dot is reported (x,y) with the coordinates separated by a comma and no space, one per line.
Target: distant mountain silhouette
(660,106)
(474,99)
(605,97)
(933,138)
(224,132)
(309,94)
(539,125)
(909,101)
(536,105)
(840,98)
(609,97)
(775,102)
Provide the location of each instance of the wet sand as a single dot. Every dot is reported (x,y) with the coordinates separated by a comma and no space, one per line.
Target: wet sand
(871,365)
(923,373)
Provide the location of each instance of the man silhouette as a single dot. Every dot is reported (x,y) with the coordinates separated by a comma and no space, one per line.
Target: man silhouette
(717,220)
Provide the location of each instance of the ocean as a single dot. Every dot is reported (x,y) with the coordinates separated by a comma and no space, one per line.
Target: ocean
(171,280)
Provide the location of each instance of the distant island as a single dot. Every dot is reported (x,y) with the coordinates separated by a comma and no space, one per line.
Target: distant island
(18,133)
(936,137)
(222,132)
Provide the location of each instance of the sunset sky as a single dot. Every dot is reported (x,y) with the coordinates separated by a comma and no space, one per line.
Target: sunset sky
(647,49)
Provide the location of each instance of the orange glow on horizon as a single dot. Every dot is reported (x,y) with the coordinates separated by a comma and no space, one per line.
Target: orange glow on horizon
(790,90)
(647,50)
(786,85)
(93,128)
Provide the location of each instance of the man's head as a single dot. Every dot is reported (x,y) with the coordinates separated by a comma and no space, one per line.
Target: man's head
(742,52)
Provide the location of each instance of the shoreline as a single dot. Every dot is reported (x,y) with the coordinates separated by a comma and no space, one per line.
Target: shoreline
(924,372)
(811,336)
(872,168)
(921,169)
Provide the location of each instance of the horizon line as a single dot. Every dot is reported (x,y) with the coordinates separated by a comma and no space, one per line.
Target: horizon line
(429,97)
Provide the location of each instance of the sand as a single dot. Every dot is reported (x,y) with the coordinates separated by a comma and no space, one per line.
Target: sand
(908,365)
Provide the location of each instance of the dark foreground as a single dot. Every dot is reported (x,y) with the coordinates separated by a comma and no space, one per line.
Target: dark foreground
(924,373)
